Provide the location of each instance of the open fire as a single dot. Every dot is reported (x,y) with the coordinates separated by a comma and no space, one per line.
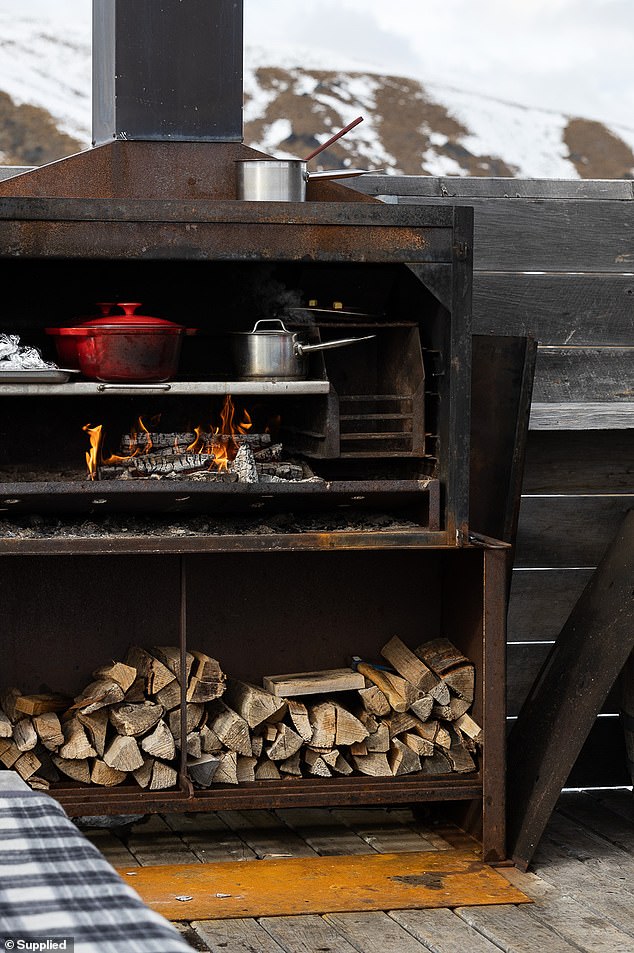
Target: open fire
(227,451)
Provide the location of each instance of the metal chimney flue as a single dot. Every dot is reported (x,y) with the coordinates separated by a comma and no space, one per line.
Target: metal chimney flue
(167,70)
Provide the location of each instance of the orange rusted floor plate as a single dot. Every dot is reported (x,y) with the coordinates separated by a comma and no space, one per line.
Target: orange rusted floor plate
(267,888)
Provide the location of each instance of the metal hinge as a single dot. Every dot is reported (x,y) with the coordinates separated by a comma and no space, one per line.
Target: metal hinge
(461,250)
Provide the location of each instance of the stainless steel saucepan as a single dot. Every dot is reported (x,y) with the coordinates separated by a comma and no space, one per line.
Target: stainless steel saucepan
(275,353)
(281,180)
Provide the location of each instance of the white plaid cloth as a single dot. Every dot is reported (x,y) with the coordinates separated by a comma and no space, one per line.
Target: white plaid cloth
(55,883)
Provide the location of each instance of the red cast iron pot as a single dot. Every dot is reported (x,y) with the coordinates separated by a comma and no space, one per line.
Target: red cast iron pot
(127,347)
(66,345)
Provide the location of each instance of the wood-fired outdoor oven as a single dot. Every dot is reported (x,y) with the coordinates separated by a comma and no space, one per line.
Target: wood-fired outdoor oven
(265,577)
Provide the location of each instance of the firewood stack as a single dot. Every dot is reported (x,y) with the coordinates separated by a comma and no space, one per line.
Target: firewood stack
(411,716)
(124,724)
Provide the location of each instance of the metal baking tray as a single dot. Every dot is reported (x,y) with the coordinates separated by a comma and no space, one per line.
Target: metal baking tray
(37,375)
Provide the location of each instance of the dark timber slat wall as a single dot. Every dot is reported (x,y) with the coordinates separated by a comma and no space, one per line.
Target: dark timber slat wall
(555,259)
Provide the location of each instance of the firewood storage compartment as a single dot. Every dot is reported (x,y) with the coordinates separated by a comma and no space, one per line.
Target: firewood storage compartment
(262,577)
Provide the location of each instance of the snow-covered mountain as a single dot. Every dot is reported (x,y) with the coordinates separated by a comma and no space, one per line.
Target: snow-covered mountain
(410,126)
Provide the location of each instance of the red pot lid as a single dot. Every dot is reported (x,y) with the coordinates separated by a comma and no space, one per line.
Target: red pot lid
(129,318)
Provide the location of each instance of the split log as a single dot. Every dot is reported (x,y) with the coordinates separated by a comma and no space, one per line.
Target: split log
(49,730)
(374,701)
(422,707)
(257,745)
(207,680)
(268,732)
(379,740)
(348,728)
(227,770)
(104,775)
(163,776)
(210,742)
(38,704)
(341,766)
(316,764)
(253,704)
(99,694)
(181,441)
(232,730)
(402,759)
(299,716)
(421,746)
(459,758)
(135,719)
(369,721)
(160,743)
(47,769)
(156,674)
(192,745)
(359,748)
(314,683)
(77,770)
(245,768)
(124,675)
(8,699)
(375,765)
(96,726)
(170,656)
(401,722)
(448,662)
(193,717)
(24,734)
(292,765)
(202,770)
(143,775)
(438,763)
(410,667)
(267,771)
(330,757)
(323,718)
(38,784)
(455,708)
(467,726)
(169,696)
(399,693)
(286,743)
(9,752)
(434,732)
(6,728)
(76,745)
(26,765)
(123,754)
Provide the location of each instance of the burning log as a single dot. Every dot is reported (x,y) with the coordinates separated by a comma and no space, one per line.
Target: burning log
(181,441)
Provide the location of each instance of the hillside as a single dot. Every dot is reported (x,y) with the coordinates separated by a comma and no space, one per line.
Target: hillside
(410,127)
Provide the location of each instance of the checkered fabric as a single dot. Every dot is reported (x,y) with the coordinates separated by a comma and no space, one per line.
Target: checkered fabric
(55,883)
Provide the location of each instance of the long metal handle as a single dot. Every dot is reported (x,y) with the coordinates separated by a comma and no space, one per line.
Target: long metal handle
(136,387)
(326,345)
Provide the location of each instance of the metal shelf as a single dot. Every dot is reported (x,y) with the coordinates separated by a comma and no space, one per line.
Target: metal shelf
(175,388)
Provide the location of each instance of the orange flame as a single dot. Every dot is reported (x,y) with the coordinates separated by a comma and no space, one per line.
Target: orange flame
(221,450)
(93,455)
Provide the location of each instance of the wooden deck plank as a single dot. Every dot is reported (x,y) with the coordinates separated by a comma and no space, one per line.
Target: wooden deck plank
(441,931)
(113,849)
(598,891)
(586,810)
(209,838)
(266,834)
(598,854)
(568,916)
(385,831)
(235,936)
(306,934)
(322,832)
(321,885)
(373,932)
(513,930)
(153,843)
(620,803)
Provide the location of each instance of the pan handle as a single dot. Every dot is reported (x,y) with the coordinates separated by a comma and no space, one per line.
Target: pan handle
(301,349)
